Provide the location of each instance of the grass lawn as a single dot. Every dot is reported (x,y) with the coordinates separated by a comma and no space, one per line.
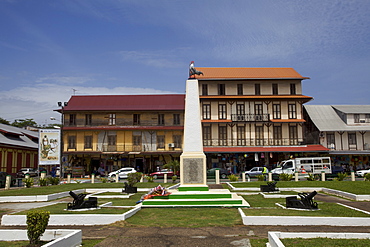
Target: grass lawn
(327,242)
(183,217)
(85,243)
(19,243)
(258,242)
(59,208)
(355,187)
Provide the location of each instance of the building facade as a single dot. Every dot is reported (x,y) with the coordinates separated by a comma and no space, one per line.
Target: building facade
(107,132)
(344,130)
(252,116)
(18,148)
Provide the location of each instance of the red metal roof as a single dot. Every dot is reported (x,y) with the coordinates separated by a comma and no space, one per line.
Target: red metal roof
(126,102)
(249,73)
(308,148)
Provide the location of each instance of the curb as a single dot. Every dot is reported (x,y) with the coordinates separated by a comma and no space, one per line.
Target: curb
(274,237)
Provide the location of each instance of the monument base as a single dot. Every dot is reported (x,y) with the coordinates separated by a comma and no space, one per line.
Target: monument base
(193,188)
(193,170)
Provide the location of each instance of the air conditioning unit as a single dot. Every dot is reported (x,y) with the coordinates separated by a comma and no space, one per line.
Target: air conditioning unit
(171,145)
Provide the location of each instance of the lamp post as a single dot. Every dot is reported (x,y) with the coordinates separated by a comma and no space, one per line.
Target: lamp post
(62,105)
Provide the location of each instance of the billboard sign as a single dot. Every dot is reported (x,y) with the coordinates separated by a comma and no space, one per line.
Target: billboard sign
(49,146)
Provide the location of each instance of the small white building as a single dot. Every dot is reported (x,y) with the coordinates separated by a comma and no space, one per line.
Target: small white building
(344,129)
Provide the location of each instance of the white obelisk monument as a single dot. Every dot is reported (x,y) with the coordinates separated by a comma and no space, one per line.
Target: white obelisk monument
(192,160)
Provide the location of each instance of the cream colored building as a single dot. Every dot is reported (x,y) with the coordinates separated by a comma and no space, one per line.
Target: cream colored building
(114,131)
(252,114)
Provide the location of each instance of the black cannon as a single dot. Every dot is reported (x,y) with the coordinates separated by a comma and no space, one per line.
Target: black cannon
(129,189)
(270,187)
(306,201)
(79,201)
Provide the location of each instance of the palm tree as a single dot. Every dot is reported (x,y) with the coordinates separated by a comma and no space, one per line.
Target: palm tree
(174,165)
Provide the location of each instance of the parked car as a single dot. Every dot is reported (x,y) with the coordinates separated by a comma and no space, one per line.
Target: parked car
(22,172)
(122,173)
(3,179)
(211,173)
(254,172)
(362,173)
(161,173)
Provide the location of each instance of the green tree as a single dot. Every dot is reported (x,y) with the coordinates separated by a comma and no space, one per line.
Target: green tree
(21,123)
(174,165)
(37,221)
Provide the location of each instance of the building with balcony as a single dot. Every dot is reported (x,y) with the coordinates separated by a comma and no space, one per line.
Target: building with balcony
(252,116)
(344,129)
(18,148)
(106,132)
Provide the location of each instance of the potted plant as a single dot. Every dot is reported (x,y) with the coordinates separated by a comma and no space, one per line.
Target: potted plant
(132,179)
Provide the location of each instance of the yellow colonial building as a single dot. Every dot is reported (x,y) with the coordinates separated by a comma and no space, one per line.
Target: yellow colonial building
(107,132)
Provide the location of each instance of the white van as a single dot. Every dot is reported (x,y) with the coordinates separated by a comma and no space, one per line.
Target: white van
(313,165)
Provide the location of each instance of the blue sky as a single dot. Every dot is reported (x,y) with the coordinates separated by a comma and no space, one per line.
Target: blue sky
(48,48)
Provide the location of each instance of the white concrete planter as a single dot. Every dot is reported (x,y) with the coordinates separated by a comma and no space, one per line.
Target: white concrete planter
(72,219)
(274,237)
(61,238)
(302,220)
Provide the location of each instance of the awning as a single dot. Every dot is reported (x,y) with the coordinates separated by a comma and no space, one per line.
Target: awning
(271,149)
(353,152)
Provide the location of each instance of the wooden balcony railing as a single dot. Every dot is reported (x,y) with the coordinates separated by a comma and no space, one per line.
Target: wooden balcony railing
(250,117)
(253,142)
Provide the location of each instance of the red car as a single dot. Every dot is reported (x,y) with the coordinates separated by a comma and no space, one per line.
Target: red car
(161,173)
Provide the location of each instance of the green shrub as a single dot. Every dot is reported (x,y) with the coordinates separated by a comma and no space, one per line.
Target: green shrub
(28,182)
(150,179)
(43,182)
(104,180)
(341,176)
(233,178)
(37,221)
(285,177)
(53,180)
(133,178)
(313,177)
(174,178)
(367,177)
(260,177)
(174,165)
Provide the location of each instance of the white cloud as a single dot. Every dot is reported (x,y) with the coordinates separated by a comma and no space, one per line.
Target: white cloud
(39,101)
(64,79)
